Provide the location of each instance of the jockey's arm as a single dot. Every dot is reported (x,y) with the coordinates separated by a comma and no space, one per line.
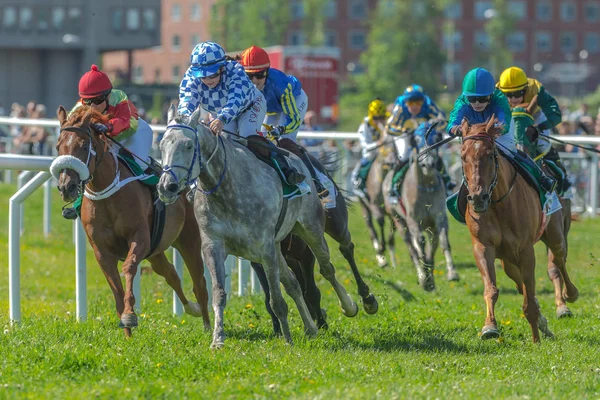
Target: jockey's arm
(188,95)
(501,109)
(551,110)
(290,109)
(238,88)
(124,117)
(396,121)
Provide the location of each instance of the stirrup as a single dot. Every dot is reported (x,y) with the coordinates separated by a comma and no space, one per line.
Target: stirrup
(295,177)
(69,213)
(548,184)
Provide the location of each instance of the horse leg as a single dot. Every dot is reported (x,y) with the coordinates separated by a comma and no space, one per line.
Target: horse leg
(451,273)
(530,304)
(368,217)
(484,258)
(138,248)
(108,265)
(262,278)
(391,243)
(214,259)
(292,288)
(424,271)
(189,246)
(270,262)
(407,238)
(380,218)
(313,236)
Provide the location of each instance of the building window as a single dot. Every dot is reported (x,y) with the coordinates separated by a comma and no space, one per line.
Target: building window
(357,40)
(543,42)
(176,43)
(43,19)
(133,19)
(591,42)
(568,41)
(195,12)
(330,9)
(357,9)
(518,9)
(150,19)
(74,18)
(176,74)
(296,38)
(25,19)
(157,75)
(331,38)
(455,41)
(591,11)
(118,17)
(568,11)
(138,74)
(453,11)
(9,17)
(195,39)
(176,12)
(516,41)
(482,40)
(481,7)
(297,9)
(543,11)
(58,18)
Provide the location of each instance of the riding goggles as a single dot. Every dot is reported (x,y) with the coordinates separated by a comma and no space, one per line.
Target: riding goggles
(257,75)
(213,76)
(479,99)
(95,100)
(414,102)
(518,93)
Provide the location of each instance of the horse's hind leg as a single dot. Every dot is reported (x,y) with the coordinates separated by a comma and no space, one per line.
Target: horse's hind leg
(316,241)
(530,305)
(189,246)
(264,283)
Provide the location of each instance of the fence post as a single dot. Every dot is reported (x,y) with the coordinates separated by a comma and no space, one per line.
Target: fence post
(24,177)
(178,263)
(47,206)
(80,271)
(594,185)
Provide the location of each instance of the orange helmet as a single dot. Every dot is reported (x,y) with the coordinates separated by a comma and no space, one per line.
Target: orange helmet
(94,83)
(255,59)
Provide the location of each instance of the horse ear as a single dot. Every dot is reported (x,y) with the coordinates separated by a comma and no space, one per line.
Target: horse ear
(61,113)
(171,113)
(195,117)
(88,118)
(491,122)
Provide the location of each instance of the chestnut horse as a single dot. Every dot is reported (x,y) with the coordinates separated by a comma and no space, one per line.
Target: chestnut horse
(504,217)
(118,227)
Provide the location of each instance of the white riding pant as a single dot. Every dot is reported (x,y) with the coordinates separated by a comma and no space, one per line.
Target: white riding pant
(250,121)
(280,118)
(140,143)
(403,147)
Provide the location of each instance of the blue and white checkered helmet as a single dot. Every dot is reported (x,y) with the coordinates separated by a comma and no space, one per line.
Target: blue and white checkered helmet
(206,59)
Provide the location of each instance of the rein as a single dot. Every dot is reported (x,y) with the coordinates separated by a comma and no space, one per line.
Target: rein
(91,151)
(197,155)
(492,186)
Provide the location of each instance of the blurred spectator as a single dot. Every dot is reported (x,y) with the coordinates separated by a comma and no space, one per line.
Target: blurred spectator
(597,126)
(582,111)
(2,110)
(566,128)
(32,139)
(310,125)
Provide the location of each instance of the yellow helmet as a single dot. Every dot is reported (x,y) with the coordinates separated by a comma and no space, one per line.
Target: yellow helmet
(512,79)
(377,108)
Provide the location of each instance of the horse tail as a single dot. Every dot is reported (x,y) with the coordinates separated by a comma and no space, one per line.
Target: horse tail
(330,163)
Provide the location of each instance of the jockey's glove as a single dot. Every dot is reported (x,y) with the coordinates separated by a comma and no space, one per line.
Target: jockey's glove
(278,131)
(102,128)
(532,132)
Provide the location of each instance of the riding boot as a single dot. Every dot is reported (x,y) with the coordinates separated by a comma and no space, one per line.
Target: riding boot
(292,176)
(445,177)
(394,193)
(321,190)
(546,182)
(154,168)
(553,156)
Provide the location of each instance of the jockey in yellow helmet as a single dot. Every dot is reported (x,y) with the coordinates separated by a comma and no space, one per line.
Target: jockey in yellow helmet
(528,95)
(371,137)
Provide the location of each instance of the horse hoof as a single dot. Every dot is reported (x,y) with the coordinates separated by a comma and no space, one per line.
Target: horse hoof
(351,313)
(381,261)
(128,321)
(543,326)
(489,332)
(563,312)
(453,276)
(370,304)
(193,309)
(217,345)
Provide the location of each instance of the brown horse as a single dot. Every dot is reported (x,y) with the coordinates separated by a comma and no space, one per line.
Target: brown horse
(119,227)
(505,219)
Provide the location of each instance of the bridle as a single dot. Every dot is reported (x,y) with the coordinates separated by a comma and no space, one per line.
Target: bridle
(91,150)
(484,137)
(197,156)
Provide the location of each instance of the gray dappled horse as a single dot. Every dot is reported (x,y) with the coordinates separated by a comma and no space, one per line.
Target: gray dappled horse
(421,215)
(241,211)
(373,205)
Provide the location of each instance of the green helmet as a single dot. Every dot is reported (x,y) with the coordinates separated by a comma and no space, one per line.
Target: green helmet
(478,82)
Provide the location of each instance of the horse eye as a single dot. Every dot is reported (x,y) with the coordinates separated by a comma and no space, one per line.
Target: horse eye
(189,146)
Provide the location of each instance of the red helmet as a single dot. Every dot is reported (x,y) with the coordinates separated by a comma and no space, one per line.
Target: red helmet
(255,59)
(94,83)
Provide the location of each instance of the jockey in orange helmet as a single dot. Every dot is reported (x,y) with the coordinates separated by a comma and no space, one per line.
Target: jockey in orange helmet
(286,103)
(124,125)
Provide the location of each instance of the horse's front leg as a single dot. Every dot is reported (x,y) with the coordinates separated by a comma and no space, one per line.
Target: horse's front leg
(368,217)
(214,255)
(423,266)
(442,224)
(484,258)
(138,249)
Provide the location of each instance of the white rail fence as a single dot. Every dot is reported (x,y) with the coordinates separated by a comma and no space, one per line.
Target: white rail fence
(29,182)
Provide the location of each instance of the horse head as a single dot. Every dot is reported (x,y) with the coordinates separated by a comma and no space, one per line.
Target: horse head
(180,154)
(80,150)
(423,137)
(480,161)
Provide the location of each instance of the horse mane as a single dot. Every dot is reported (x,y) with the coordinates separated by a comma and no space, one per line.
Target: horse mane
(482,129)
(79,115)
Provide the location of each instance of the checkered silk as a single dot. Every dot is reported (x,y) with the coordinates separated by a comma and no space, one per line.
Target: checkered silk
(207,53)
(233,94)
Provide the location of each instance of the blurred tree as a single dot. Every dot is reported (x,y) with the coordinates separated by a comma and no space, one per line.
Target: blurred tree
(499,26)
(314,22)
